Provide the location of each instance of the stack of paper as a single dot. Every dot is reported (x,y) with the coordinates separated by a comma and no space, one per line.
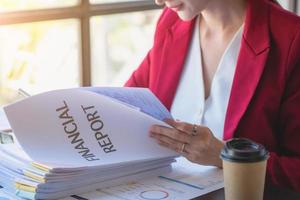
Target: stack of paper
(5,129)
(77,140)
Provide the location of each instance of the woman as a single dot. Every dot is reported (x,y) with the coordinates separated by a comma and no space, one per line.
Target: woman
(233,68)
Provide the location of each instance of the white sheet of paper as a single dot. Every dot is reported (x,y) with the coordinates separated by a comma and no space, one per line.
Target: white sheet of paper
(41,132)
(154,188)
(4,124)
(140,98)
(186,181)
(6,196)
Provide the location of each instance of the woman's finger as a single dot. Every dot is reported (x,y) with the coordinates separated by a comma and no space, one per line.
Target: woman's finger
(178,146)
(183,153)
(171,133)
(168,140)
(191,129)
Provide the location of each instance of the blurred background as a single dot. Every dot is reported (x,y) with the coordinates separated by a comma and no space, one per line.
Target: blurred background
(53,44)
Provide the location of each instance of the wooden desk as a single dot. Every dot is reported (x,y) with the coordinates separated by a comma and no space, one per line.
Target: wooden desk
(271,193)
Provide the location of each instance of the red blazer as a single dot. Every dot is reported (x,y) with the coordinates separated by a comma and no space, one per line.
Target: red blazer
(264,103)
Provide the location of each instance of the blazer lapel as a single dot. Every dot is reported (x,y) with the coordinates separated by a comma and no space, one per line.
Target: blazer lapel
(252,58)
(176,47)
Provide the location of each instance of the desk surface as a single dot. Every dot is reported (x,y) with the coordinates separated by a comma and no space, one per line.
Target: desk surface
(271,193)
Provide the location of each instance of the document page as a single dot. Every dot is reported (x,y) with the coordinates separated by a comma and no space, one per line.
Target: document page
(4,124)
(186,181)
(77,128)
(5,129)
(6,196)
(141,98)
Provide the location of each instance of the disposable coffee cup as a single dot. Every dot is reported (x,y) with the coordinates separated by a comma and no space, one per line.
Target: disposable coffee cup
(244,169)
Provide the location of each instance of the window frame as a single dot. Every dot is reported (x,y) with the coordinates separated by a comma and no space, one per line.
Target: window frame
(83,12)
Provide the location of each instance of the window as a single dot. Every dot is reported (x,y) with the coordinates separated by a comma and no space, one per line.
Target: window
(17,5)
(53,44)
(38,56)
(126,49)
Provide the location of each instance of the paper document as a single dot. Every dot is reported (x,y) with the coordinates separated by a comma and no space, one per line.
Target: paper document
(5,129)
(4,124)
(140,98)
(77,140)
(86,129)
(186,181)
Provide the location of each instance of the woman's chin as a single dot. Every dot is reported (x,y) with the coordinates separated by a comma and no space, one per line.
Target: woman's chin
(185,16)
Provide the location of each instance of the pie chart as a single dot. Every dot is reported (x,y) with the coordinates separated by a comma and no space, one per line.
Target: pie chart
(154,194)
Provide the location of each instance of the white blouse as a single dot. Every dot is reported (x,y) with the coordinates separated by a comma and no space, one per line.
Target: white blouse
(189,104)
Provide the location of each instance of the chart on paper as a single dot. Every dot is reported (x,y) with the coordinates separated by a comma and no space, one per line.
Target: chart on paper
(185,182)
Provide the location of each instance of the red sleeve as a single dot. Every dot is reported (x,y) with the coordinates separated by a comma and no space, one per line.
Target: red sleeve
(283,168)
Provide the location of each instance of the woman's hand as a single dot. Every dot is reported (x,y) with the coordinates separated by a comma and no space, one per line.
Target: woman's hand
(196,143)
